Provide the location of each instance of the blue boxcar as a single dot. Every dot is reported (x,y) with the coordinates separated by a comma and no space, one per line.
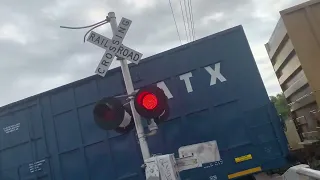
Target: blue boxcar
(215,91)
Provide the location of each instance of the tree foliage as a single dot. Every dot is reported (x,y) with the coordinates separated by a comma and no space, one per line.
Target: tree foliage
(281,105)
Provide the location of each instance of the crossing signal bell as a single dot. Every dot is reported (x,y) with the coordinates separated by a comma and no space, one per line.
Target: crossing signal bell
(151,103)
(110,114)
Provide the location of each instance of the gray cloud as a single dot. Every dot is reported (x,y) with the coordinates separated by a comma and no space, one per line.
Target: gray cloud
(36,55)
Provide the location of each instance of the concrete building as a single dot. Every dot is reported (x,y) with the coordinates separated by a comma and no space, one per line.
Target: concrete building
(294,51)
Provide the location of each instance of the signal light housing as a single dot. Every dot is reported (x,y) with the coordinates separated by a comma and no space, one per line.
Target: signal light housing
(151,103)
(110,114)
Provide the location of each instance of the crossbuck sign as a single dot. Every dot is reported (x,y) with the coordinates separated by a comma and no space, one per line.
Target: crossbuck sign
(114,47)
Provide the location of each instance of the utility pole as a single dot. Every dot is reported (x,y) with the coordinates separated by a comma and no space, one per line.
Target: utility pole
(130,89)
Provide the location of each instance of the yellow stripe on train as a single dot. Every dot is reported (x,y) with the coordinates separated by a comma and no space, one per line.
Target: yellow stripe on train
(243,158)
(245,172)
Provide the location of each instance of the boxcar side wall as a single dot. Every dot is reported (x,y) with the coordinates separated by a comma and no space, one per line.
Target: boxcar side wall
(215,93)
(303,26)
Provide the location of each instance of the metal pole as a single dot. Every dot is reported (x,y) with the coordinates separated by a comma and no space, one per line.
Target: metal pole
(130,89)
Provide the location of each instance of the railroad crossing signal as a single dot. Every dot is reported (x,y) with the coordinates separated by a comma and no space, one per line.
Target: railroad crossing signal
(110,114)
(114,47)
(151,103)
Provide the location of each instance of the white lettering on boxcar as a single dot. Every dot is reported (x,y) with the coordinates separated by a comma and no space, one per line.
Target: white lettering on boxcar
(215,74)
(11,128)
(36,166)
(165,89)
(186,77)
(214,177)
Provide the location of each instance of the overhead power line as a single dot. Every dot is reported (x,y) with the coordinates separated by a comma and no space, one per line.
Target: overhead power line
(188,14)
(187,17)
(191,19)
(194,30)
(175,22)
(184,22)
(190,29)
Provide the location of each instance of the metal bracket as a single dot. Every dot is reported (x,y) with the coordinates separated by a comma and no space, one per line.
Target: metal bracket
(153,128)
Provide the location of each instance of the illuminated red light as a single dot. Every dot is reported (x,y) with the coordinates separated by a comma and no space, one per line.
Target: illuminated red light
(150,101)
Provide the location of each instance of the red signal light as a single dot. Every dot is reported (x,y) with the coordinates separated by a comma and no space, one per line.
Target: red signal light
(147,100)
(151,102)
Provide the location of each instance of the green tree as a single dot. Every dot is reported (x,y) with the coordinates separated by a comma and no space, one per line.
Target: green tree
(281,105)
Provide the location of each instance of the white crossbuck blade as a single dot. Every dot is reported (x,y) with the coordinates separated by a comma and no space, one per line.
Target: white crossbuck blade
(114,47)
(123,51)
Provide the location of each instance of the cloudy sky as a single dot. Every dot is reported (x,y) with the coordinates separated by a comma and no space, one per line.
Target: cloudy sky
(36,55)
